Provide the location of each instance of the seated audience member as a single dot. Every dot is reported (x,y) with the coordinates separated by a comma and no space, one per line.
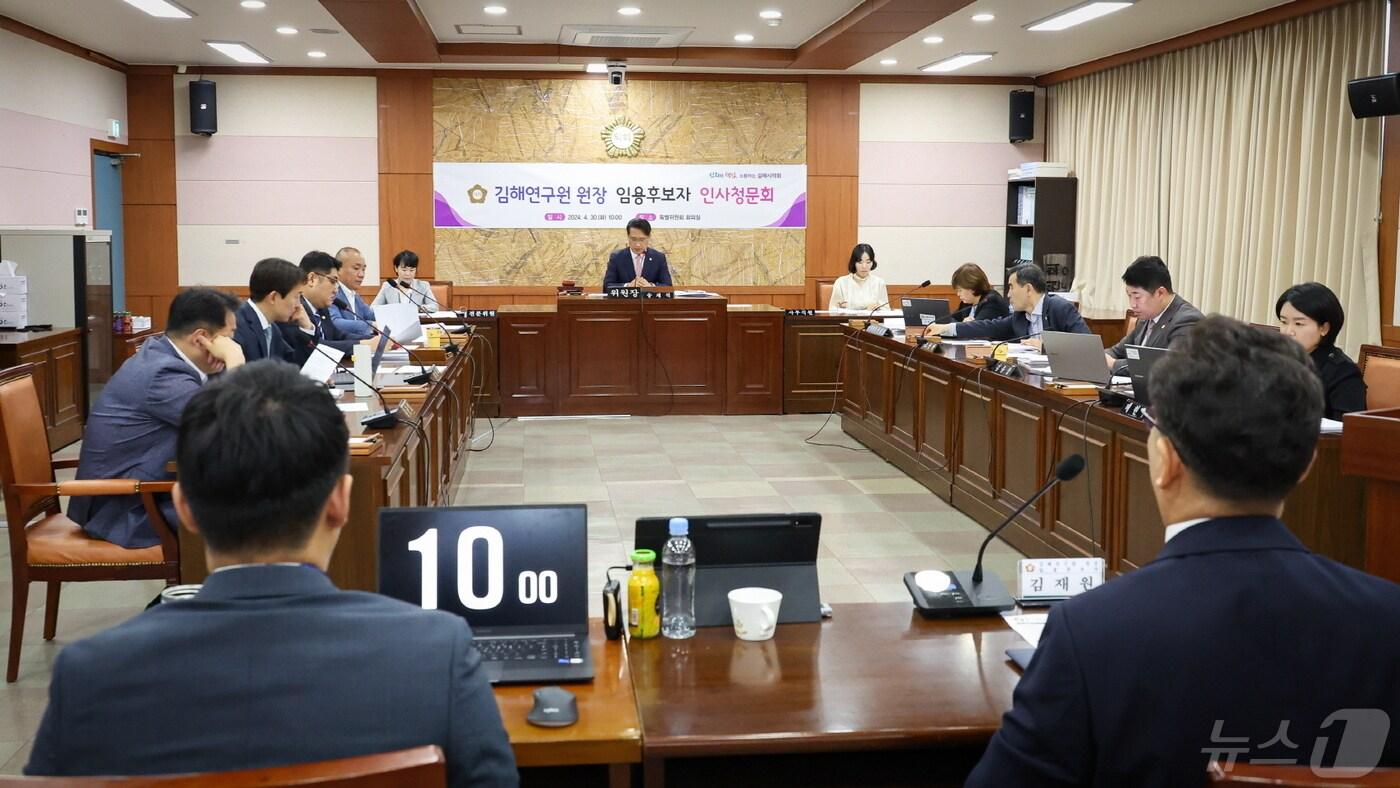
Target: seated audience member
(312,324)
(269,664)
(1311,314)
(353,322)
(860,289)
(410,288)
(274,291)
(1033,312)
(1163,317)
(1236,635)
(130,432)
(980,300)
(638,265)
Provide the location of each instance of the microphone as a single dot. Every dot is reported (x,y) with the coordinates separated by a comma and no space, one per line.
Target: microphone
(1068,468)
(384,419)
(868,315)
(423,377)
(408,294)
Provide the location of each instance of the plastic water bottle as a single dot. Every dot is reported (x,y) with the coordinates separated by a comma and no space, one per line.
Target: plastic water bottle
(678,582)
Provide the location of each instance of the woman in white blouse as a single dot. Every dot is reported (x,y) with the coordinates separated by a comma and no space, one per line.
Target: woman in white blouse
(860,289)
(410,287)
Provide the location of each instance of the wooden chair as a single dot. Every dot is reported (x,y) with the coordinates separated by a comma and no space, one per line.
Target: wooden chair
(824,289)
(442,292)
(1380,368)
(1296,777)
(419,767)
(45,546)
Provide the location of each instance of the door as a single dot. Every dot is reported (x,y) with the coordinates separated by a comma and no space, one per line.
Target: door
(105,281)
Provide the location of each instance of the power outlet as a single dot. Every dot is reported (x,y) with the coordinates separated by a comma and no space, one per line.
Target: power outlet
(80,217)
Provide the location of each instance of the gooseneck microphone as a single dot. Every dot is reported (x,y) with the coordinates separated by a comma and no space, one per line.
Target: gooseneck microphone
(422,309)
(423,377)
(1068,468)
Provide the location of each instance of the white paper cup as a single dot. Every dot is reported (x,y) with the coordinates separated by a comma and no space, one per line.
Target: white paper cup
(755,612)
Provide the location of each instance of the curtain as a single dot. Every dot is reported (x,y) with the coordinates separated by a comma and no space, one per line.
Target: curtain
(1238,162)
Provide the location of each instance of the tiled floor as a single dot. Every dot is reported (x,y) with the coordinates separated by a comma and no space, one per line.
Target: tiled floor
(876,522)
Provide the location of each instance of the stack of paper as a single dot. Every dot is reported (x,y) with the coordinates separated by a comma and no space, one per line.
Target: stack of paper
(1025,207)
(1039,169)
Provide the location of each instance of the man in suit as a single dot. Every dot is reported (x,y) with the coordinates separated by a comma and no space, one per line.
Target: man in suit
(269,664)
(354,322)
(1033,312)
(131,430)
(638,265)
(1163,317)
(274,291)
(1236,643)
(312,325)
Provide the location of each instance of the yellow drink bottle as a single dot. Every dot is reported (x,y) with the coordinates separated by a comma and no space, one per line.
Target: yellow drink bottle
(643,596)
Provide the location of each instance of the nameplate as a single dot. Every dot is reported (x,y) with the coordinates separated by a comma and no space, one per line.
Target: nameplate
(636,293)
(878,329)
(801,312)
(1058,578)
(1006,369)
(478,313)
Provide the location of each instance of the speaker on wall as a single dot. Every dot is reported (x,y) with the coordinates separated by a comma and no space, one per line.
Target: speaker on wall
(1375,96)
(1022,115)
(204,114)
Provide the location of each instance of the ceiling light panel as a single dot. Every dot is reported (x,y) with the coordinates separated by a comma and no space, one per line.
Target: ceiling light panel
(1077,15)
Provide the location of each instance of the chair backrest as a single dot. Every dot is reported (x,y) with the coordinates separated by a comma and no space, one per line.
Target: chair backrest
(419,767)
(824,290)
(24,442)
(442,292)
(1298,776)
(1380,368)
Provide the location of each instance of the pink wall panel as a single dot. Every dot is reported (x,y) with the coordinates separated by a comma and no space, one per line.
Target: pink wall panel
(943,162)
(30,142)
(895,205)
(231,158)
(33,197)
(277,202)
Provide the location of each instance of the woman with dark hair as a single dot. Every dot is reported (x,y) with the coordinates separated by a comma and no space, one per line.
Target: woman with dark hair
(407,286)
(1312,316)
(980,300)
(860,289)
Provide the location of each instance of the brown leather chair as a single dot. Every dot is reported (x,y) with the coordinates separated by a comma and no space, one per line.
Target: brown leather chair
(824,290)
(419,767)
(1296,777)
(1380,368)
(442,292)
(45,546)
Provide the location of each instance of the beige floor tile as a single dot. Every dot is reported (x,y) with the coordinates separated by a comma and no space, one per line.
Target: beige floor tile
(475,475)
(955,542)
(875,545)
(732,489)
(891,570)
(660,472)
(832,503)
(607,461)
(831,572)
(924,522)
(839,594)
(15,765)
(795,471)
(565,493)
(907,502)
(716,473)
(890,485)
(500,495)
(815,487)
(889,592)
(8,750)
(861,522)
(763,504)
(541,477)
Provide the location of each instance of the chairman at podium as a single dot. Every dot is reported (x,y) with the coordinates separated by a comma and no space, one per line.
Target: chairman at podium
(638,265)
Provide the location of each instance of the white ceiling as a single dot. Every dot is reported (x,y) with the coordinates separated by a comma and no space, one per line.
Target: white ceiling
(121,31)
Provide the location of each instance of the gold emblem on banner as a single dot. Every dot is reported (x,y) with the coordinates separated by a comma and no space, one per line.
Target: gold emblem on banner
(622,137)
(477,194)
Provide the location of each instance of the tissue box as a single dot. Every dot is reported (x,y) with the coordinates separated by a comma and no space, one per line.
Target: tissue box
(14,285)
(14,319)
(14,302)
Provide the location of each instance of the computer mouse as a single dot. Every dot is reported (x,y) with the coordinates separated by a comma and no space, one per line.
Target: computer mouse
(555,707)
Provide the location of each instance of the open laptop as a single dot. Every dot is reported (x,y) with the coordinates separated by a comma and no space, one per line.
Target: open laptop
(1077,357)
(1141,360)
(345,379)
(523,587)
(923,311)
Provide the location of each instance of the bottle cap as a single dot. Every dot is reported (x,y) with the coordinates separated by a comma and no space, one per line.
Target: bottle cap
(679,526)
(643,556)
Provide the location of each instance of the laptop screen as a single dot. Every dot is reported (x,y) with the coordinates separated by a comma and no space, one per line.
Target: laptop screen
(502,566)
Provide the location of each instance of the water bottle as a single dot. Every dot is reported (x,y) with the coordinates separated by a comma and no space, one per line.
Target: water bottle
(678,582)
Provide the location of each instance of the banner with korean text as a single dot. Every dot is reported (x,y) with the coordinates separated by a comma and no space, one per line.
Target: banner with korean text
(572,196)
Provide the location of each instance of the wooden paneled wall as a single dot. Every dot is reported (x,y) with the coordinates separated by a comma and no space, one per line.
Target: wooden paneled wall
(148,193)
(406,169)
(1390,196)
(833,167)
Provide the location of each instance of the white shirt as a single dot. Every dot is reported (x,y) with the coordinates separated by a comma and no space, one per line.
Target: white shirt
(203,378)
(863,295)
(262,319)
(1173,530)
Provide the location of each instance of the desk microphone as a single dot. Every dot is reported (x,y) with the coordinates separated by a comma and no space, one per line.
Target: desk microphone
(422,309)
(885,332)
(384,419)
(423,377)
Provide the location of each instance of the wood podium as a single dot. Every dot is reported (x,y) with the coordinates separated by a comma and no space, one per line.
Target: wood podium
(1371,450)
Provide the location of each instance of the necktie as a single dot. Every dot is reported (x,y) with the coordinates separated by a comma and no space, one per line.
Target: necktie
(638,260)
(1035,324)
(267,335)
(1147,332)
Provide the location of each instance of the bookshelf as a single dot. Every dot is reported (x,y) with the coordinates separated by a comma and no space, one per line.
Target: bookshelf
(1045,227)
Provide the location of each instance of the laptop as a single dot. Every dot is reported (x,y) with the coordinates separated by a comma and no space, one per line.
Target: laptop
(1141,360)
(523,589)
(1077,357)
(344,379)
(923,311)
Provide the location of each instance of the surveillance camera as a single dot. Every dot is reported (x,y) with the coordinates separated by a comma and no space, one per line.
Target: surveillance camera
(617,73)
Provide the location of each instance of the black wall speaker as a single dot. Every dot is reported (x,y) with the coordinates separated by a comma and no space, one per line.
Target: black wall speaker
(1022,115)
(1375,96)
(204,114)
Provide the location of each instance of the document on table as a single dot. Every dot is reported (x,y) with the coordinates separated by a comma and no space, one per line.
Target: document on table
(443,314)
(967,342)
(353,407)
(400,320)
(1331,427)
(1027,625)
(322,362)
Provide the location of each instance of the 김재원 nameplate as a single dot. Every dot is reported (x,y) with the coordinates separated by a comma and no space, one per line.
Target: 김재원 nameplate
(1057,578)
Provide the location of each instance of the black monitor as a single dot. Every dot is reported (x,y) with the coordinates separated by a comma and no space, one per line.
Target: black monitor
(919,312)
(1141,360)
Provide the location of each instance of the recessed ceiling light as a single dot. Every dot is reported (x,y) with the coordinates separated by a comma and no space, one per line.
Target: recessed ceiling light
(596,68)
(287,31)
(743,38)
(238,51)
(983,17)
(1078,15)
(316,53)
(956,62)
(889,61)
(163,9)
(770,14)
(495,10)
(629,10)
(253,4)
(933,39)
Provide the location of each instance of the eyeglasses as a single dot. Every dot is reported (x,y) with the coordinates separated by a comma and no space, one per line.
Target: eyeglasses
(1149,417)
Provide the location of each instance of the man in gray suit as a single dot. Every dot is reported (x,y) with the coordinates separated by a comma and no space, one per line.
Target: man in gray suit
(1163,317)
(130,433)
(270,664)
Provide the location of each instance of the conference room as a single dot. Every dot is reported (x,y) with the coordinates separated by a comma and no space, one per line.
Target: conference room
(951,392)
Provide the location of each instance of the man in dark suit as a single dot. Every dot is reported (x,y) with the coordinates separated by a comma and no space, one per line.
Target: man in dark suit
(1033,312)
(269,664)
(638,265)
(1163,317)
(130,432)
(312,325)
(1236,643)
(274,291)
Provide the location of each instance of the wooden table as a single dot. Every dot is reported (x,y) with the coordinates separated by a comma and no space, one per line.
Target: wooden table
(1371,451)
(59,377)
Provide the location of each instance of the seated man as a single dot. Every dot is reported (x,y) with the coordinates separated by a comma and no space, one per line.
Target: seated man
(269,664)
(312,325)
(1033,312)
(1163,317)
(638,265)
(274,291)
(355,321)
(130,432)
(1236,641)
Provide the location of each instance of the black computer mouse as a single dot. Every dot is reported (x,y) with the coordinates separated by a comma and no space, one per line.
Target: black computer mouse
(555,707)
